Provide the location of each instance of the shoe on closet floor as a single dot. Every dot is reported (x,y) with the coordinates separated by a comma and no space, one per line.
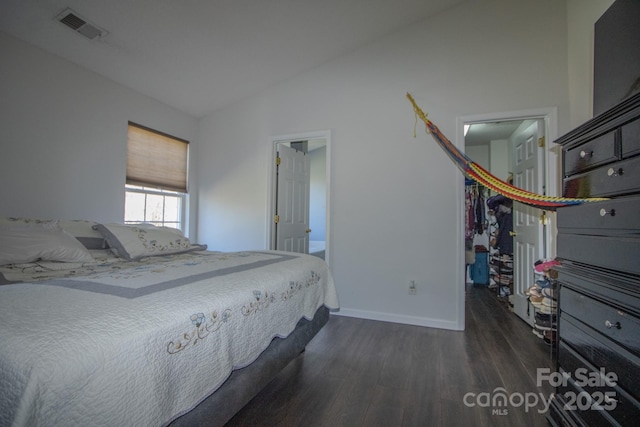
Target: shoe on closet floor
(543,283)
(550,337)
(549,302)
(535,298)
(542,328)
(544,320)
(544,309)
(534,290)
(543,266)
(547,292)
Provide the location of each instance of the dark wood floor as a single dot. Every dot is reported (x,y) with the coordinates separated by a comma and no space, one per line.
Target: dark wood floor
(359,372)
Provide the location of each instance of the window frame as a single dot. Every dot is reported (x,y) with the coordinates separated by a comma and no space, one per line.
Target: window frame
(152,189)
(182,203)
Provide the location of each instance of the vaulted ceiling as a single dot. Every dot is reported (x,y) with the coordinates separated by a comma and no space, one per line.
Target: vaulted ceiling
(201,55)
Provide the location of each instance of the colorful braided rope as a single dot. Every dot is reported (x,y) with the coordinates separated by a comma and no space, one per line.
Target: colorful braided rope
(484,177)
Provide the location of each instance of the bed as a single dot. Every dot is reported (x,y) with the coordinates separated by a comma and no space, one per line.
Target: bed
(135,325)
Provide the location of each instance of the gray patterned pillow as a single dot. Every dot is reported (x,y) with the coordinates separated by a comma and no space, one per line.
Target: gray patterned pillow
(133,242)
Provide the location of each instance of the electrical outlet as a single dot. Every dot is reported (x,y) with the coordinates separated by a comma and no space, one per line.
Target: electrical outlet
(412,287)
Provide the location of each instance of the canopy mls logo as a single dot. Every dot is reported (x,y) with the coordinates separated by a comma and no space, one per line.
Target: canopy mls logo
(598,400)
(499,401)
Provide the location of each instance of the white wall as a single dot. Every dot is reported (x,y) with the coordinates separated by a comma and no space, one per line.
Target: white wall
(396,200)
(480,154)
(500,158)
(63,136)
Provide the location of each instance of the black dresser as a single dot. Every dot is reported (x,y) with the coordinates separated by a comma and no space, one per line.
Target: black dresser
(599,281)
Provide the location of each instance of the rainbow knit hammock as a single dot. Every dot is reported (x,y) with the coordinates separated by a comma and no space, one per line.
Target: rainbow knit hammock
(482,176)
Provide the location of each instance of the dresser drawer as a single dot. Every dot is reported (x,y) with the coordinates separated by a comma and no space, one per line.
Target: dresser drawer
(602,353)
(614,179)
(591,154)
(615,253)
(558,416)
(587,407)
(590,391)
(572,402)
(620,291)
(613,216)
(630,137)
(611,322)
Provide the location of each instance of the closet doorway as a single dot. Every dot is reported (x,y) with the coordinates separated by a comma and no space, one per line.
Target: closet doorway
(316,147)
(514,147)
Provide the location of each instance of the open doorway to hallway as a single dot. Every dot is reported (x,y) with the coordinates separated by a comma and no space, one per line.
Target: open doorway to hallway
(313,209)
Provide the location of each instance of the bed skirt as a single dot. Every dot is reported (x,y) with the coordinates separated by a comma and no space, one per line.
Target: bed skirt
(243,384)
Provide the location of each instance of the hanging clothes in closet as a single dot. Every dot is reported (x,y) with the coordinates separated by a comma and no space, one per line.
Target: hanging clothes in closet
(502,207)
(475,216)
(480,216)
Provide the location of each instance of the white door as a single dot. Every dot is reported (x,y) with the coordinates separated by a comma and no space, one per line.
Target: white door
(292,200)
(528,174)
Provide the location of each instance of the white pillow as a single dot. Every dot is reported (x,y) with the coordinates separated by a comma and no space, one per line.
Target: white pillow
(80,229)
(20,244)
(133,242)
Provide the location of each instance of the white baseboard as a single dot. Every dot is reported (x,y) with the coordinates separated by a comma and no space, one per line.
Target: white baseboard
(398,318)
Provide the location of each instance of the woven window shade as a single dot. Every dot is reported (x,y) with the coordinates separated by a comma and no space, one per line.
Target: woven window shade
(156,160)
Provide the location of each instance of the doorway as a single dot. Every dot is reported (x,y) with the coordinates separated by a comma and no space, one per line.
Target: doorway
(316,147)
(516,146)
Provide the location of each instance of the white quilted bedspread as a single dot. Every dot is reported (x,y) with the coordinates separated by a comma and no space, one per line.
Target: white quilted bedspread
(137,344)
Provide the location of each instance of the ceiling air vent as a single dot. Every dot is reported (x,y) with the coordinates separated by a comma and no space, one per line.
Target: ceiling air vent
(80,25)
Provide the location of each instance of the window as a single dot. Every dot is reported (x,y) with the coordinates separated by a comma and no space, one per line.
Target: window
(158,207)
(156,185)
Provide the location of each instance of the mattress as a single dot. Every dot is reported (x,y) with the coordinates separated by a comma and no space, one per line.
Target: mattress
(130,343)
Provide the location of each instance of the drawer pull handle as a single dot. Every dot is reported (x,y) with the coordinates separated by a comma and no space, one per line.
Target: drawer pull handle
(610,399)
(604,212)
(586,154)
(615,172)
(610,325)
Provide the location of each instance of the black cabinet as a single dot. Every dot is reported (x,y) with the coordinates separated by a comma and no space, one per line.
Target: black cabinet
(599,280)
(599,243)
(616,55)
